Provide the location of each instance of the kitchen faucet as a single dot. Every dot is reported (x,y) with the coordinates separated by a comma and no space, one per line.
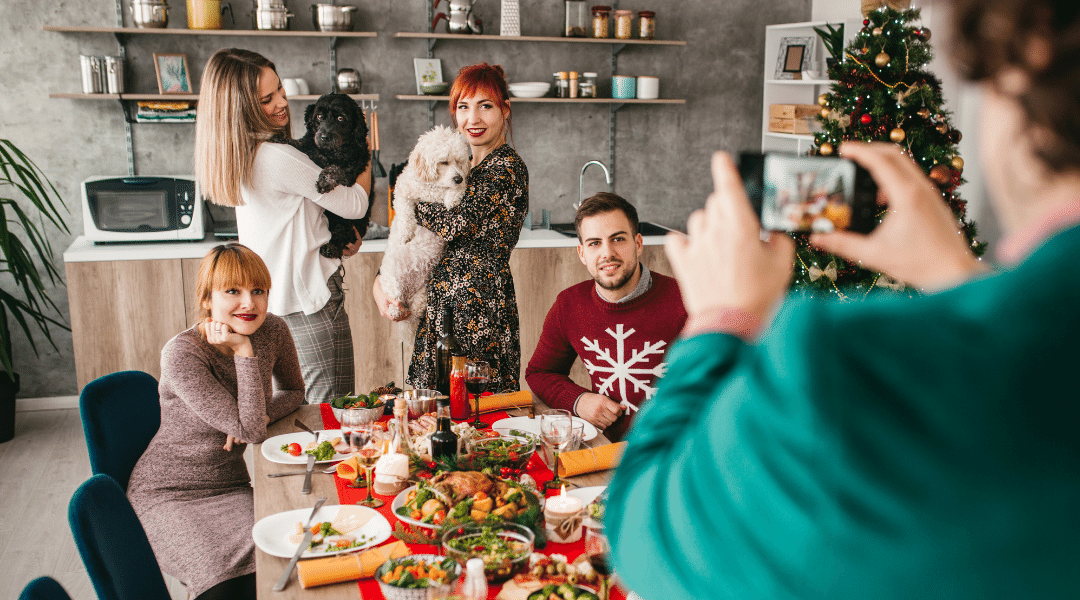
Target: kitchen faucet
(581,180)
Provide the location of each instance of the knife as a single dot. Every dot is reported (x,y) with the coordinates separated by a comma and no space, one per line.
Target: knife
(284,579)
(307,474)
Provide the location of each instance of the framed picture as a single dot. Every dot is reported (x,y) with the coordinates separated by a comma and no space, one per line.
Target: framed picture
(795,56)
(173,76)
(428,70)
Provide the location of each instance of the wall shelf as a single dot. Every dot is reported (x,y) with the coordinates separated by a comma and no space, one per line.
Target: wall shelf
(235,32)
(187,97)
(536,38)
(556,100)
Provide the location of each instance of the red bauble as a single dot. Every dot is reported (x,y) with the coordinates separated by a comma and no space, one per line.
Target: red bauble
(940,174)
(866,22)
(865,119)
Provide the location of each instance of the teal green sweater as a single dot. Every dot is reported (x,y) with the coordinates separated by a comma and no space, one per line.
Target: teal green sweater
(888,449)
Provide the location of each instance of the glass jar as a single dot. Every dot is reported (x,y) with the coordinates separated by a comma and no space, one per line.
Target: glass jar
(573,84)
(576,18)
(587,85)
(564,85)
(555,84)
(647,25)
(601,21)
(624,23)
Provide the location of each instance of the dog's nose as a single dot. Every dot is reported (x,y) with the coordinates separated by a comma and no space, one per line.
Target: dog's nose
(458,179)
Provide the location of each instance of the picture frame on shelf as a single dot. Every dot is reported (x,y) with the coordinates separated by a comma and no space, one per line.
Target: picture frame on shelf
(795,56)
(173,76)
(428,70)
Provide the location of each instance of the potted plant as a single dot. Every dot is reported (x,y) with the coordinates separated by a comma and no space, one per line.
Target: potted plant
(27,200)
(833,39)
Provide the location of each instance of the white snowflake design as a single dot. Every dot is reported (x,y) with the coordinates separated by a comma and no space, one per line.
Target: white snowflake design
(621,370)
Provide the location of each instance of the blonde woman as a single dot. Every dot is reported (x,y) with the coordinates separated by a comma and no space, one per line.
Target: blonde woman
(279,213)
(222,382)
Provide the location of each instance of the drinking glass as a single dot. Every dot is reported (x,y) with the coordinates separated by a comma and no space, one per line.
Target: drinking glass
(367,456)
(598,549)
(477,378)
(556,431)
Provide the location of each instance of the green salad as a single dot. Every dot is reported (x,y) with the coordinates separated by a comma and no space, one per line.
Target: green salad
(562,591)
(324,451)
(416,572)
(361,401)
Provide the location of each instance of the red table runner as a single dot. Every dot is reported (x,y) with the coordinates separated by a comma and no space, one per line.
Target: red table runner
(536,468)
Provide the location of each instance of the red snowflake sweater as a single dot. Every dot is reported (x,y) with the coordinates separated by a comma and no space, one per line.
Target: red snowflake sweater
(621,344)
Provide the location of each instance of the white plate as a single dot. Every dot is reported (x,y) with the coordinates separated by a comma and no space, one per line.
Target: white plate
(271,534)
(398,502)
(532,426)
(271,448)
(586,494)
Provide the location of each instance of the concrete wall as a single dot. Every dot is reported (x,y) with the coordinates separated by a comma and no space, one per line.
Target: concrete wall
(662,151)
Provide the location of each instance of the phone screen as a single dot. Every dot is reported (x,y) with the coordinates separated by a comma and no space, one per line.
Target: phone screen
(809,193)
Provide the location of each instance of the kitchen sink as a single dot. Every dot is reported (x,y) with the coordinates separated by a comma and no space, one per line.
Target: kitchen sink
(644,228)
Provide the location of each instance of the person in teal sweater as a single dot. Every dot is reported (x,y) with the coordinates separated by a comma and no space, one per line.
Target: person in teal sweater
(894,448)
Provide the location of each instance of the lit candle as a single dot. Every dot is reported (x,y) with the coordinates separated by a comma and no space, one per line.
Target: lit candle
(562,515)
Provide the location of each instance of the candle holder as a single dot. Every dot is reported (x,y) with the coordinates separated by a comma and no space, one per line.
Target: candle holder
(563,516)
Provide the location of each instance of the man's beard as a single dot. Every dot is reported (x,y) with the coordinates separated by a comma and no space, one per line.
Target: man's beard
(617,283)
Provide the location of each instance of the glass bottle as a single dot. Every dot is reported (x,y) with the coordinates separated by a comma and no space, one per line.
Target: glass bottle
(446,348)
(473,586)
(564,85)
(459,400)
(576,19)
(624,24)
(555,84)
(601,21)
(647,25)
(587,85)
(444,442)
(401,415)
(573,85)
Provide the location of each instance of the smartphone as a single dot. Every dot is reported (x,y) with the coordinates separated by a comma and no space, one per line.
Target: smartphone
(809,193)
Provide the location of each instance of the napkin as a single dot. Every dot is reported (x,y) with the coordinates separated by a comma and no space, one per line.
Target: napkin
(347,567)
(522,399)
(589,460)
(349,469)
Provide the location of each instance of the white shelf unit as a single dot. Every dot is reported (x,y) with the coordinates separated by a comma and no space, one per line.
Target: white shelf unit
(795,91)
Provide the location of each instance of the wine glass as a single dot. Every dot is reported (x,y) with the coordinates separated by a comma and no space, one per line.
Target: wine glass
(477,378)
(367,456)
(556,431)
(598,549)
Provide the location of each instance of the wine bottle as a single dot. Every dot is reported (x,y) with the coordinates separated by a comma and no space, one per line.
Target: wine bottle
(446,348)
(444,442)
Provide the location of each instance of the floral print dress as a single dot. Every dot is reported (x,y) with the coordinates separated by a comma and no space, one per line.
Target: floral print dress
(474,274)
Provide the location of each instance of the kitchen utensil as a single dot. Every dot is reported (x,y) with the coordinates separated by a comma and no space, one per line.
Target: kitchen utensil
(306,489)
(290,88)
(510,18)
(284,579)
(434,88)
(270,18)
(114,74)
(91,79)
(332,17)
(150,13)
(348,81)
(290,473)
(377,169)
(461,19)
(529,89)
(648,88)
(301,425)
(206,14)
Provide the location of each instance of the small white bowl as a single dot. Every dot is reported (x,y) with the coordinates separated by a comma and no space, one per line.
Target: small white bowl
(529,89)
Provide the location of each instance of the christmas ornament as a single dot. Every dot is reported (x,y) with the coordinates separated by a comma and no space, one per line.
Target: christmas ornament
(954,136)
(924,33)
(823,100)
(865,119)
(877,32)
(957,163)
(816,273)
(942,128)
(897,135)
(865,22)
(940,174)
(924,113)
(882,59)
(825,149)
(824,113)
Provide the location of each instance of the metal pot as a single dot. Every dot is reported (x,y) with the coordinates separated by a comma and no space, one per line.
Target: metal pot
(332,17)
(348,81)
(150,13)
(270,4)
(275,19)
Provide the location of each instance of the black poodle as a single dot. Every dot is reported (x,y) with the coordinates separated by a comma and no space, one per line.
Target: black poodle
(336,140)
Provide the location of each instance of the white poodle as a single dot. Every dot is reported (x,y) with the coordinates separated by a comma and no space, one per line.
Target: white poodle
(437,170)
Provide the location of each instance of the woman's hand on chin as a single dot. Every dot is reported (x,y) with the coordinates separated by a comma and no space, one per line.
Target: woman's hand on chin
(222,337)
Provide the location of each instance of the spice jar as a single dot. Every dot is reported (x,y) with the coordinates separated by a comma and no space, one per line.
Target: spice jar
(555,84)
(587,85)
(573,84)
(624,23)
(601,22)
(576,23)
(647,25)
(564,85)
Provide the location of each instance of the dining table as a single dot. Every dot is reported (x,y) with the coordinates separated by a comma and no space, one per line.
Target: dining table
(280,494)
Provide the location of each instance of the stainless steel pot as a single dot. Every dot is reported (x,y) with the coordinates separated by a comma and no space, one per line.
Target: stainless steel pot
(332,17)
(348,81)
(274,19)
(150,13)
(270,4)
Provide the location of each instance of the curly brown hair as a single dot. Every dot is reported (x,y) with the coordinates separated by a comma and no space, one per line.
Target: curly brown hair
(1035,44)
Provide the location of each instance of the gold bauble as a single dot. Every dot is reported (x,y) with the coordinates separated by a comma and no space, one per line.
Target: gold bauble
(924,113)
(882,59)
(940,174)
(825,113)
(957,163)
(897,135)
(942,128)
(823,100)
(877,31)
(825,149)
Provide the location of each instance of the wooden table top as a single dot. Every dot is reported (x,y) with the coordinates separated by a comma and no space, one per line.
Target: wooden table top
(274,495)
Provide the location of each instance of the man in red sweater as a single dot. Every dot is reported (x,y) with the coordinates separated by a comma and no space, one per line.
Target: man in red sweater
(620,323)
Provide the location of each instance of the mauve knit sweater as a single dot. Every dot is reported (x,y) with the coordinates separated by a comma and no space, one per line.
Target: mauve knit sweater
(193,498)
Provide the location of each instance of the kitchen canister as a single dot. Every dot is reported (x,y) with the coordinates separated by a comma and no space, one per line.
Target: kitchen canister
(510,18)
(91,80)
(114,75)
(648,88)
(623,87)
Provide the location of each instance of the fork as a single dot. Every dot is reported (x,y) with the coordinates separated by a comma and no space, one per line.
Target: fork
(288,473)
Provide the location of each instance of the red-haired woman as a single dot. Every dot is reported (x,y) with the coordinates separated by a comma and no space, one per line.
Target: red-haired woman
(474,274)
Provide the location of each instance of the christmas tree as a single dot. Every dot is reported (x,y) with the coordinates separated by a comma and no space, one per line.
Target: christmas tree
(881,92)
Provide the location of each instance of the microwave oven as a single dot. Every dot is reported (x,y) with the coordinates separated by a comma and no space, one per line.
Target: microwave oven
(142,209)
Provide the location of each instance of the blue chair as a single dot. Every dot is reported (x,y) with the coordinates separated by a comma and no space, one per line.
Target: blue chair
(113,544)
(120,415)
(44,588)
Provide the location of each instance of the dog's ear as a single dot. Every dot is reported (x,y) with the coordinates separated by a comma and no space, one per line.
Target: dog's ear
(426,168)
(361,128)
(309,112)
